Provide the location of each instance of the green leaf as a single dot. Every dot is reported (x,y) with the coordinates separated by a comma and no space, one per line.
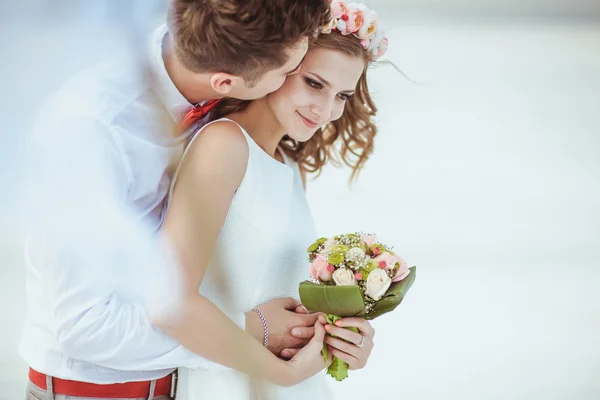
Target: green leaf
(394,296)
(325,352)
(331,319)
(338,369)
(344,301)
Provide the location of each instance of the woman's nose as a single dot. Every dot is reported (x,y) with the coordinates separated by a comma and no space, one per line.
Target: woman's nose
(322,109)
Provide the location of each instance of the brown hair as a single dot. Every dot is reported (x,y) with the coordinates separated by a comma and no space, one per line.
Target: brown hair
(349,139)
(243,38)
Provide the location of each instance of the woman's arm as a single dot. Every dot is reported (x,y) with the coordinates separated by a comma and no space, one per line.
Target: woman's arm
(210,175)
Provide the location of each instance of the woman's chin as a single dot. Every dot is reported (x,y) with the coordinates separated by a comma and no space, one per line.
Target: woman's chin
(302,134)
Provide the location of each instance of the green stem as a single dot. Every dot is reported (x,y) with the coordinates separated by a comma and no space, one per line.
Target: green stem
(338,368)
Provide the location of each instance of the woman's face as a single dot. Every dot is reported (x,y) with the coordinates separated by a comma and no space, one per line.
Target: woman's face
(317,94)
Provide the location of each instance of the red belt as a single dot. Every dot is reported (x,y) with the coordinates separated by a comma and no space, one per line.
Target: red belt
(129,390)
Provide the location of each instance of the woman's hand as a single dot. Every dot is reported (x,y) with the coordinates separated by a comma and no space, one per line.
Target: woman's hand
(308,361)
(356,348)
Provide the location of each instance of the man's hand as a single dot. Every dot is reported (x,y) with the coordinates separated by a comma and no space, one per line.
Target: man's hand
(290,325)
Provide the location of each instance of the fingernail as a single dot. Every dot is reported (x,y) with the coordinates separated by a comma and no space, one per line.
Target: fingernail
(338,322)
(327,327)
(295,331)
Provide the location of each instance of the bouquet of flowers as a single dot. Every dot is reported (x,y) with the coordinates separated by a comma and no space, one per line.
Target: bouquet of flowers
(353,275)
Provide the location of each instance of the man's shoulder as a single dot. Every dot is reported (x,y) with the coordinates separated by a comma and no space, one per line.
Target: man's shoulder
(101,92)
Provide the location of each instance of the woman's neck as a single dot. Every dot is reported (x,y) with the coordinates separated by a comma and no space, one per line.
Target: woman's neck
(260,123)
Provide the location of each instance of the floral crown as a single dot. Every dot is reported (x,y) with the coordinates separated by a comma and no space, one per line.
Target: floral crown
(358,20)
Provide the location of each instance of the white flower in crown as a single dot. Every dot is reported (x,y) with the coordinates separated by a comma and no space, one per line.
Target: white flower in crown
(376,41)
(378,45)
(330,26)
(341,26)
(369,25)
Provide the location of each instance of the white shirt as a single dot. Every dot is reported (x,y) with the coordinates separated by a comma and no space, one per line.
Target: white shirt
(101,159)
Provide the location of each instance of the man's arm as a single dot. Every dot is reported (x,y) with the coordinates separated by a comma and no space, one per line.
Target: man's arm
(96,259)
(102,268)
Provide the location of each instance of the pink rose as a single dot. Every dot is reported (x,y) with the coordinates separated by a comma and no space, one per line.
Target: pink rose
(369,240)
(403,270)
(382,48)
(356,18)
(338,8)
(369,26)
(319,269)
(386,259)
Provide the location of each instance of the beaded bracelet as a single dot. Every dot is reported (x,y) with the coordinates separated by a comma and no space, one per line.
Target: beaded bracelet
(265,327)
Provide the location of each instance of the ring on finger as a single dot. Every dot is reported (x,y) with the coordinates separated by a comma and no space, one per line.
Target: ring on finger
(362,341)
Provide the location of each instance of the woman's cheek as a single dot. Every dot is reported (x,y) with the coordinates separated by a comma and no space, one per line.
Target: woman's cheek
(337,111)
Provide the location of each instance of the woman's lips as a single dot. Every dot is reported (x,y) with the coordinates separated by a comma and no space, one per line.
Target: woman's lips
(308,122)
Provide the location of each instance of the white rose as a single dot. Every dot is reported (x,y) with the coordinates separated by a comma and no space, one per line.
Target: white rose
(369,26)
(344,277)
(378,283)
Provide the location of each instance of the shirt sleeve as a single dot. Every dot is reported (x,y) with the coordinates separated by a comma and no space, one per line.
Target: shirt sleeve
(101,268)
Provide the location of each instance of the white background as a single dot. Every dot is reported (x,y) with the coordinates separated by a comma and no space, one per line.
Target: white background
(485,175)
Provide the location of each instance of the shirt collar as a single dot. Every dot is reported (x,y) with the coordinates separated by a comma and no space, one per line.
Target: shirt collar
(177,105)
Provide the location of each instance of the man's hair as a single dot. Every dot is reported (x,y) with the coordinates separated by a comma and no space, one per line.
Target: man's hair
(242,37)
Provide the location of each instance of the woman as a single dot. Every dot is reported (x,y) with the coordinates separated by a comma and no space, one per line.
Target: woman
(238,215)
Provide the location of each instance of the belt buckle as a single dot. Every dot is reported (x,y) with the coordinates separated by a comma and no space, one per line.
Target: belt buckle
(173,384)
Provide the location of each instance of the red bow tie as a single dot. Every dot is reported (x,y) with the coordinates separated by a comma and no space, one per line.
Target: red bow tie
(198,113)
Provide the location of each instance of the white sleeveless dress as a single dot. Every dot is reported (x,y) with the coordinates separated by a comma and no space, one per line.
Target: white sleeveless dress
(260,255)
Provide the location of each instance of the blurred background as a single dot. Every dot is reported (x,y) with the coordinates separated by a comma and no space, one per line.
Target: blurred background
(485,175)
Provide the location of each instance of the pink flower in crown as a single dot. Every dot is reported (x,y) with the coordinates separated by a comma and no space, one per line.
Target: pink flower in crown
(382,48)
(368,29)
(338,8)
(356,18)
(319,269)
(403,270)
(385,260)
(369,240)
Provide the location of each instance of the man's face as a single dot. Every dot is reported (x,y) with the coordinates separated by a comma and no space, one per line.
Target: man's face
(272,80)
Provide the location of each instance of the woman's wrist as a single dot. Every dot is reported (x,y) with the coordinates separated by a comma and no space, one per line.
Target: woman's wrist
(265,327)
(254,326)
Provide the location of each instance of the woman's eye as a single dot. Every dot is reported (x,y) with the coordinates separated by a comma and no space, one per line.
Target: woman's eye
(313,84)
(344,96)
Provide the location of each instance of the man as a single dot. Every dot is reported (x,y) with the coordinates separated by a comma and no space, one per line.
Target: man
(101,153)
